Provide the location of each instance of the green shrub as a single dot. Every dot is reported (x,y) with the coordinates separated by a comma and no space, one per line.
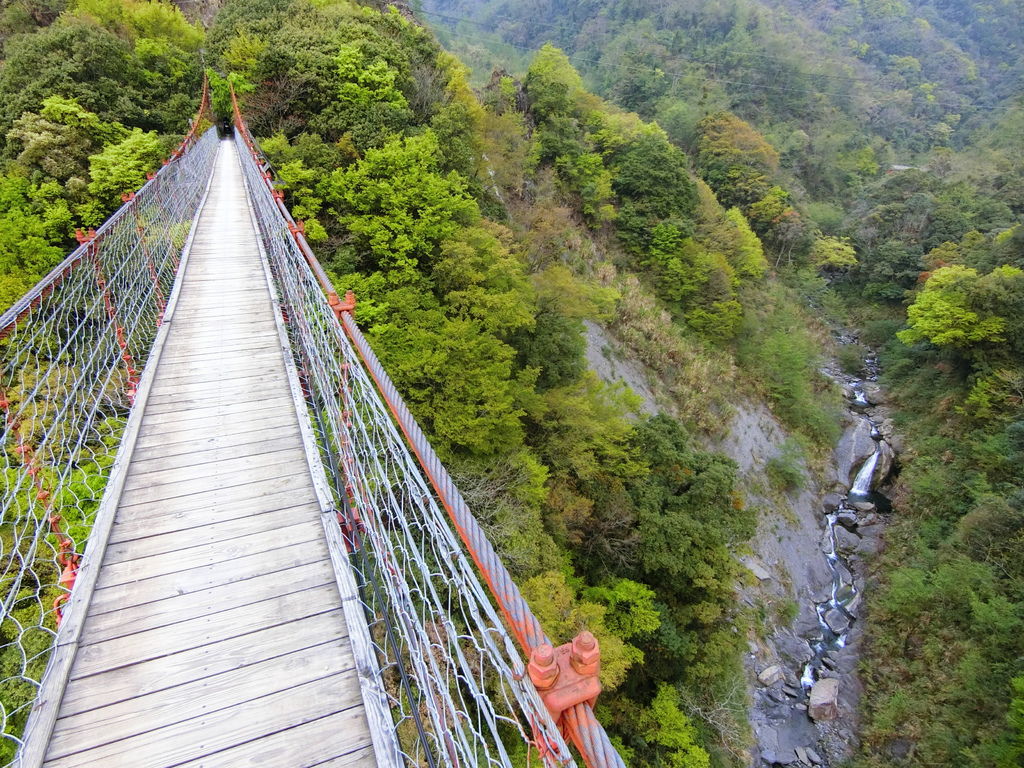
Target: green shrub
(785,470)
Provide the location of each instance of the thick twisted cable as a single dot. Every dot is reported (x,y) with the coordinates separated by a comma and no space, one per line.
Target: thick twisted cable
(581,724)
(416,554)
(585,731)
(515,608)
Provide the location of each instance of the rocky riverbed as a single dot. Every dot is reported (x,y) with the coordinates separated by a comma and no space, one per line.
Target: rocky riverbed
(805,687)
(809,561)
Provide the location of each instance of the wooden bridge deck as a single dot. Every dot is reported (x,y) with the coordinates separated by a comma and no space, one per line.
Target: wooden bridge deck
(215,634)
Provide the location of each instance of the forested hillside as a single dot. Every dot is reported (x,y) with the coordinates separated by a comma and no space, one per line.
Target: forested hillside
(479,236)
(713,183)
(879,143)
(93,98)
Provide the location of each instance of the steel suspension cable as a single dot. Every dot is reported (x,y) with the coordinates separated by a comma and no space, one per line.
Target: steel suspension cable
(455,652)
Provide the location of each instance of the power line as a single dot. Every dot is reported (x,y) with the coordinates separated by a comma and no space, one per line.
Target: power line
(708,75)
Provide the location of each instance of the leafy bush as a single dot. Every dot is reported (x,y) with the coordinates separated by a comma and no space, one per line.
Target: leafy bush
(785,470)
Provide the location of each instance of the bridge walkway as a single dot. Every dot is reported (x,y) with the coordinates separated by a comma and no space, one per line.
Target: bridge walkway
(214,635)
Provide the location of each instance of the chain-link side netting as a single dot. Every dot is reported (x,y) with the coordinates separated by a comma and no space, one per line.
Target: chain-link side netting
(72,352)
(455,685)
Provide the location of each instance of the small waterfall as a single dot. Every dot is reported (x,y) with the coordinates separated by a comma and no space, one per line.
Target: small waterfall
(862,483)
(494,183)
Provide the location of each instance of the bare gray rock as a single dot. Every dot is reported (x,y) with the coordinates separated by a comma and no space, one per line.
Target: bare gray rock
(824,702)
(871,544)
(756,567)
(874,394)
(794,649)
(837,621)
(604,359)
(831,502)
(854,605)
(771,675)
(846,541)
(848,520)
(870,520)
(853,448)
(884,465)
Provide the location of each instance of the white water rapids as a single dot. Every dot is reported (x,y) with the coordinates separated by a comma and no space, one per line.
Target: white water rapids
(837,614)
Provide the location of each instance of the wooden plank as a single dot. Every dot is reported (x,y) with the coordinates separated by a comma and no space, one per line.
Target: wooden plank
(216,416)
(296,747)
(209,396)
(229,369)
(239,274)
(245,313)
(164,587)
(149,712)
(361,758)
(183,439)
(208,734)
(144,461)
(191,325)
(261,477)
(202,630)
(217,500)
(211,295)
(221,339)
(192,555)
(241,362)
(245,467)
(172,518)
(244,385)
(154,447)
(111,619)
(267,375)
(164,672)
(190,331)
(212,533)
(256,305)
(186,354)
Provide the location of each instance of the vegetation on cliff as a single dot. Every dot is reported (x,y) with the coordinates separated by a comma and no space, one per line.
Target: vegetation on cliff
(482,229)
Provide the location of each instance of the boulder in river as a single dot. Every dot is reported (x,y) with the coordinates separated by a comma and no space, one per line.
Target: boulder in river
(837,621)
(846,541)
(864,506)
(873,393)
(771,675)
(848,520)
(824,702)
(884,465)
(831,502)
(853,448)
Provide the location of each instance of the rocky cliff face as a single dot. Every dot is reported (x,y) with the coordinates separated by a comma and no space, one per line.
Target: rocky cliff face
(817,550)
(808,562)
(202,11)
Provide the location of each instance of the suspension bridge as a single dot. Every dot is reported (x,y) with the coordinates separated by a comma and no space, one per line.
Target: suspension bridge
(225,540)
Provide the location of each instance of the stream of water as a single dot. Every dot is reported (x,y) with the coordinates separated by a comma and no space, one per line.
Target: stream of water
(837,614)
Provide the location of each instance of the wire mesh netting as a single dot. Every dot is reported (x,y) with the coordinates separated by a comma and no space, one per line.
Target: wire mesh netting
(454,684)
(72,352)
